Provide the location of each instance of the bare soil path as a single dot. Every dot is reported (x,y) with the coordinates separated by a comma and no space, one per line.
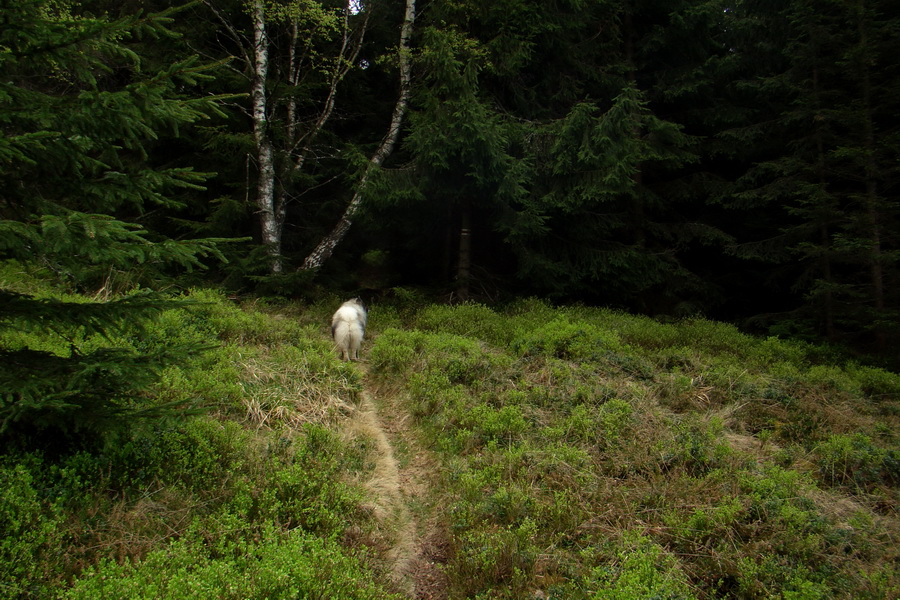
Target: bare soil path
(400,492)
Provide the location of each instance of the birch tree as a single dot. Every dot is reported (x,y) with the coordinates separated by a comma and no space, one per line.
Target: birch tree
(271,214)
(326,247)
(298,35)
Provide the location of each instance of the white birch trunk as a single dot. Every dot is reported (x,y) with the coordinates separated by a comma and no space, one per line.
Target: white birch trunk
(326,247)
(270,215)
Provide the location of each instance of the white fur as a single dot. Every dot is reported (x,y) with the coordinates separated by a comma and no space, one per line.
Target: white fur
(348,327)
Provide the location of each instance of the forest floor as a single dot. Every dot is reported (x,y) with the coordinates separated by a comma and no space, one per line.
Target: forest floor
(399,484)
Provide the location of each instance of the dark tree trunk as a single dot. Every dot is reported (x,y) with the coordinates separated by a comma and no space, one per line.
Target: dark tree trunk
(464,265)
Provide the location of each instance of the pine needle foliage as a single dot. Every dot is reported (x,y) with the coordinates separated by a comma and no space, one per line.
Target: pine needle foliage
(68,376)
(83,115)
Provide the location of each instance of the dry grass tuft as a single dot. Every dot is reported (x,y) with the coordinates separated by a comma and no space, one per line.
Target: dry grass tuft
(278,395)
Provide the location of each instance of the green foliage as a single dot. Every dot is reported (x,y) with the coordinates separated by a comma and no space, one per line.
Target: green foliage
(573,477)
(469,320)
(30,532)
(485,424)
(562,338)
(605,423)
(856,461)
(878,384)
(83,145)
(67,367)
(308,493)
(277,566)
(708,525)
(758,578)
(80,117)
(431,393)
(92,393)
(87,248)
(495,557)
(779,494)
(698,446)
(392,352)
(589,183)
(642,570)
(614,417)
(99,368)
(459,359)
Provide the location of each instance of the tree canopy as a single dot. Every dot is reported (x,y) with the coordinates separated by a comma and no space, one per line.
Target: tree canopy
(83,116)
(731,159)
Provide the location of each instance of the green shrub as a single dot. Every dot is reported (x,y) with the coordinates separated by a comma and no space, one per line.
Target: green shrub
(581,424)
(601,425)
(310,494)
(773,350)
(699,446)
(381,318)
(712,524)
(487,423)
(642,570)
(876,383)
(394,351)
(855,460)
(768,577)
(278,567)
(494,558)
(210,381)
(29,535)
(460,359)
(780,504)
(614,417)
(567,340)
(192,455)
(509,504)
(468,320)
(430,392)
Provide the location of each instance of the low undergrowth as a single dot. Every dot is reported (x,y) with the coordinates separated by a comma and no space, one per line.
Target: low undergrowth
(591,454)
(253,492)
(579,453)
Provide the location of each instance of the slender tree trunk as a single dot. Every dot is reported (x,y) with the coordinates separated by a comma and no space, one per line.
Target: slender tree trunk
(273,187)
(871,196)
(293,78)
(325,248)
(824,231)
(271,216)
(464,266)
(447,262)
(638,213)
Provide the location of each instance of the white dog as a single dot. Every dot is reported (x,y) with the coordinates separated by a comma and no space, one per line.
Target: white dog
(348,326)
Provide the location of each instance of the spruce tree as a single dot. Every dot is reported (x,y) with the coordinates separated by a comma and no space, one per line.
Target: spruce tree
(618,188)
(606,184)
(81,117)
(465,151)
(821,135)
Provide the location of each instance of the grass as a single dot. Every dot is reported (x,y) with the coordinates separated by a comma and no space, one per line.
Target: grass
(257,495)
(590,454)
(577,453)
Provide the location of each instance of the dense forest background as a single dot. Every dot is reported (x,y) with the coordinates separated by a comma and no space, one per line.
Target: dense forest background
(732,159)
(560,211)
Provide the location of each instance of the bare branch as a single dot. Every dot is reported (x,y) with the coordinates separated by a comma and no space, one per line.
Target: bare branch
(342,67)
(239,40)
(326,247)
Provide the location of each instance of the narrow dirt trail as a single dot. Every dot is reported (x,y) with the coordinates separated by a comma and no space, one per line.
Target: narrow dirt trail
(415,548)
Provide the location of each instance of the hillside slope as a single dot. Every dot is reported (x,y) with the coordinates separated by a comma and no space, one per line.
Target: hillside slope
(529,452)
(584,453)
